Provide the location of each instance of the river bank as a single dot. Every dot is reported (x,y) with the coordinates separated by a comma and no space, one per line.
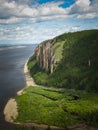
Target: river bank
(12,78)
(10,110)
(14,114)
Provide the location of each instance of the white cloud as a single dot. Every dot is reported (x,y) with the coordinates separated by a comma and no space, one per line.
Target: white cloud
(87,16)
(33,33)
(79,7)
(14,11)
(11,20)
(84,9)
(47,18)
(75,28)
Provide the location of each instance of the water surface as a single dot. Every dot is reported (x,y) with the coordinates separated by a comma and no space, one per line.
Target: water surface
(12,78)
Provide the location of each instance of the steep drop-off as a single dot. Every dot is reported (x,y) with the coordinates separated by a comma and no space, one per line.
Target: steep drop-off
(71,59)
(48,54)
(44,55)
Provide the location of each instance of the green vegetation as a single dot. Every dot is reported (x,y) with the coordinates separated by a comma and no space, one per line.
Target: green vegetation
(40,76)
(78,65)
(23,128)
(57,107)
(58,48)
(74,100)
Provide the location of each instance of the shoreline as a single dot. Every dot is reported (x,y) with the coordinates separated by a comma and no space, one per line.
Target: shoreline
(10,110)
(28,79)
(11,113)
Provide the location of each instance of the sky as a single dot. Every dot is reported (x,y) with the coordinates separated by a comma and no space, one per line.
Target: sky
(33,21)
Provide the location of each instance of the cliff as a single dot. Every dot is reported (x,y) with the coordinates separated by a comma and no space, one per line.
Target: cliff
(72,59)
(44,55)
(48,54)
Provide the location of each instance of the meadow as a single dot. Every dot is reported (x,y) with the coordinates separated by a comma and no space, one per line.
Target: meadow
(57,107)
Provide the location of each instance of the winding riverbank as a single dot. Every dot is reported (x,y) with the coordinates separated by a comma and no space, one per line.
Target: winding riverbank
(11,109)
(11,112)
(12,77)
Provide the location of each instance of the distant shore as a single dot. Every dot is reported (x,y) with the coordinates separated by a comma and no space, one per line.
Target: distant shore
(11,47)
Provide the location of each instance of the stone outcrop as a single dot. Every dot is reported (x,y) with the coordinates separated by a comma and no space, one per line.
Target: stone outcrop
(45,55)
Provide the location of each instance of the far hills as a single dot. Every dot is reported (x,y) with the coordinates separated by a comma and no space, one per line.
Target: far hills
(67,61)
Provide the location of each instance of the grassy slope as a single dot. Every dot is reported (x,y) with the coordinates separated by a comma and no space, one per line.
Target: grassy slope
(78,67)
(58,48)
(57,107)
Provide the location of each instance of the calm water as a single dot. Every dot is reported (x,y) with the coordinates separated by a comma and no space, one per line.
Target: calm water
(11,76)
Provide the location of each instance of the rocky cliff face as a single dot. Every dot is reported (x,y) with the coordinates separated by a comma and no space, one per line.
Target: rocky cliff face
(45,55)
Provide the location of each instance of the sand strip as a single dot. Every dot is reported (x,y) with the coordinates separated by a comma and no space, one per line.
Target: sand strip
(10,110)
(29,80)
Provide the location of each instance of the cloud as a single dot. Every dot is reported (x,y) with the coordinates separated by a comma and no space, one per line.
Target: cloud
(87,16)
(84,9)
(79,7)
(11,20)
(15,11)
(28,29)
(34,33)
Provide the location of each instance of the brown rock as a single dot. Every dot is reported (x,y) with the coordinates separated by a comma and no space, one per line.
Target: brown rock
(45,55)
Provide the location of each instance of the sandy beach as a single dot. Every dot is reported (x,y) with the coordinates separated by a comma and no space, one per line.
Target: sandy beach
(10,110)
(29,80)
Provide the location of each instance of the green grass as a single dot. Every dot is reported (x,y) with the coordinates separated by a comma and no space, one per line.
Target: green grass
(23,128)
(56,107)
(58,48)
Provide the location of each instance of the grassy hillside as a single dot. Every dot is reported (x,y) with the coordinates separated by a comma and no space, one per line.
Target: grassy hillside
(78,65)
(57,107)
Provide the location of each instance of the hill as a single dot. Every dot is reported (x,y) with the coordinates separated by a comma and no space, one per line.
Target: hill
(69,61)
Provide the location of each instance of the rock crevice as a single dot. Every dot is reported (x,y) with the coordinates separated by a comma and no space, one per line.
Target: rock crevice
(45,55)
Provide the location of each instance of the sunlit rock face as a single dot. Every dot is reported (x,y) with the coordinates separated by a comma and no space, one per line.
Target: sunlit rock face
(45,55)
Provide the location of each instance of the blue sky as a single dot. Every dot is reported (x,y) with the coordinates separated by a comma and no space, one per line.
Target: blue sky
(33,21)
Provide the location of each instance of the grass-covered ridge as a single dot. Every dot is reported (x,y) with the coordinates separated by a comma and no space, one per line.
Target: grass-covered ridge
(78,67)
(55,107)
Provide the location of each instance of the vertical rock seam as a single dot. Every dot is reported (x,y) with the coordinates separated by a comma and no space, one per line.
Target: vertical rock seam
(45,55)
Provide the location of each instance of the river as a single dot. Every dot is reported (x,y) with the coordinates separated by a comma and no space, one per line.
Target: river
(12,78)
